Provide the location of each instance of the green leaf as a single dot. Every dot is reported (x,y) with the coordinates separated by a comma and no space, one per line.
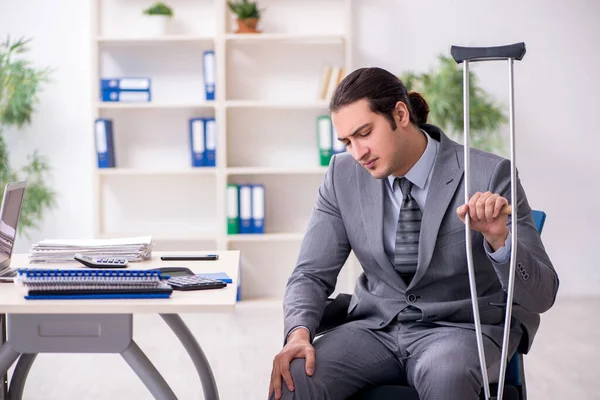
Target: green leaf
(442,87)
(159,8)
(245,9)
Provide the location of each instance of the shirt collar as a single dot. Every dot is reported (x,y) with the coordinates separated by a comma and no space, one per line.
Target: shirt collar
(419,172)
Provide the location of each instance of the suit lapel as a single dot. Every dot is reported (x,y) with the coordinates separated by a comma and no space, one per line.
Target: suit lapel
(445,179)
(371,206)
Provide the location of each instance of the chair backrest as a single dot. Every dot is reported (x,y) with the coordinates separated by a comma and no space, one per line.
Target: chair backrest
(514,370)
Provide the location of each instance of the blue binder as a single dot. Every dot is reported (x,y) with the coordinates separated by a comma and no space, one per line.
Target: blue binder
(210,142)
(126,96)
(245,213)
(337,146)
(258,209)
(125,83)
(103,131)
(209,74)
(197,146)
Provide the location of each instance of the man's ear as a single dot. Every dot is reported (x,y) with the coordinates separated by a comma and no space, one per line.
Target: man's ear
(401,114)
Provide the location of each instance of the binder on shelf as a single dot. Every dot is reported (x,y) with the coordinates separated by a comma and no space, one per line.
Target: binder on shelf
(245,209)
(197,147)
(258,209)
(338,147)
(129,83)
(103,131)
(210,142)
(126,96)
(324,139)
(209,74)
(232,209)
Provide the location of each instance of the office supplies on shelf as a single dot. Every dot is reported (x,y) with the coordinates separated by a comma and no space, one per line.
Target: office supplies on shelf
(195,282)
(210,142)
(245,209)
(209,74)
(126,96)
(197,147)
(324,82)
(232,209)
(337,146)
(101,262)
(104,143)
(125,83)
(63,250)
(258,209)
(325,137)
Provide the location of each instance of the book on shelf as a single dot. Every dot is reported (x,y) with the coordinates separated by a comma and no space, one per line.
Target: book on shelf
(125,90)
(105,149)
(203,142)
(245,209)
(331,76)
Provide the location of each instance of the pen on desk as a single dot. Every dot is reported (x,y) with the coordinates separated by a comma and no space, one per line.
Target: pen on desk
(199,257)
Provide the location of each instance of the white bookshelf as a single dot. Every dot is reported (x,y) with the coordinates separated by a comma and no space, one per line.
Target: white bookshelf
(265,109)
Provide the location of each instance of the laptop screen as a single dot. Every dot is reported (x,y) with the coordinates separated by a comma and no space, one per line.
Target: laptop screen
(9,218)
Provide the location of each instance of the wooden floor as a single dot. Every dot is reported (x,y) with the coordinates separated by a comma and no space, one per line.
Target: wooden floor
(563,363)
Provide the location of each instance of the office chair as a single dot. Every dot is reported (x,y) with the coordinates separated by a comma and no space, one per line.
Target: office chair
(336,312)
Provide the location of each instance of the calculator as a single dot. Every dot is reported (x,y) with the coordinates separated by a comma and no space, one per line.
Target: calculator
(194,282)
(101,262)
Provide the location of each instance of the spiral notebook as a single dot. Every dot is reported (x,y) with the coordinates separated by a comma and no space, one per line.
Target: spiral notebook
(89,284)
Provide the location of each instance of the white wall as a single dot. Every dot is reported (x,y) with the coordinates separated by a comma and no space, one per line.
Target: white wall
(556,101)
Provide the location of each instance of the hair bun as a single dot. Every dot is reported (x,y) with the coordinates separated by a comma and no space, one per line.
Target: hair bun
(419,107)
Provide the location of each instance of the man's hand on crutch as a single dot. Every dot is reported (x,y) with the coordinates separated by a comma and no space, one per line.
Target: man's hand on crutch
(488,213)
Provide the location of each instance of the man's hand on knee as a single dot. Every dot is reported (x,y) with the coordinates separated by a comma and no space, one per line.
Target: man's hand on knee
(298,346)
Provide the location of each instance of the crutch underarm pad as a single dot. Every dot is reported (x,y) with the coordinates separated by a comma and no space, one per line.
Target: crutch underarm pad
(515,51)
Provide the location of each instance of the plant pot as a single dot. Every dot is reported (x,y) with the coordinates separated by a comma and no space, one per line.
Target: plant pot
(247,25)
(154,25)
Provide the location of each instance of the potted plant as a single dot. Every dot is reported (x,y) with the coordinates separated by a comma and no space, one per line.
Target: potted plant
(20,84)
(442,87)
(248,14)
(156,19)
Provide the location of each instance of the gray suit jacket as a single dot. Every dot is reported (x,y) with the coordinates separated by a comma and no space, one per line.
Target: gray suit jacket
(348,216)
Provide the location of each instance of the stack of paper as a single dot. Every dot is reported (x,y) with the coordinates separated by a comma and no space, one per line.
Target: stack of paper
(63,250)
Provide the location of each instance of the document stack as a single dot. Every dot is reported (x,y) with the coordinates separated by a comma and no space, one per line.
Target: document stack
(245,209)
(90,284)
(63,250)
(125,90)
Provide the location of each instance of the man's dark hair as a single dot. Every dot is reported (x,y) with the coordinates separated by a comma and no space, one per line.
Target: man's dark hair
(382,90)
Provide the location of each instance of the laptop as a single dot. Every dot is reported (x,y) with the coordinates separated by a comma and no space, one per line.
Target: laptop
(10,212)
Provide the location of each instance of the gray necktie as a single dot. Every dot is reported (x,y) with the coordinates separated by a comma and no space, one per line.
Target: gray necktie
(407,234)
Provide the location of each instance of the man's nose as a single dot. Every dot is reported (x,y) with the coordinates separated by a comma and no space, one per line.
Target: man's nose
(359,152)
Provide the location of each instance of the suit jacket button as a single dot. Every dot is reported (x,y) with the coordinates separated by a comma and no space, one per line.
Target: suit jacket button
(411,298)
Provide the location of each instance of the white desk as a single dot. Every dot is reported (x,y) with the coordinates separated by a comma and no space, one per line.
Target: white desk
(106,326)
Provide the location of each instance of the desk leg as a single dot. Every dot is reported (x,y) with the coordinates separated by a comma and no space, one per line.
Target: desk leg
(17,382)
(209,386)
(8,356)
(147,372)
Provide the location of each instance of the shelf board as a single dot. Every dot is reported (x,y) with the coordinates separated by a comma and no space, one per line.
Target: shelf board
(276,171)
(150,172)
(173,237)
(266,237)
(154,40)
(153,105)
(285,37)
(303,105)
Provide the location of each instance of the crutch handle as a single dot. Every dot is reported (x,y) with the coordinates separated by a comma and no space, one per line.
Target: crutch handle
(506,210)
(515,51)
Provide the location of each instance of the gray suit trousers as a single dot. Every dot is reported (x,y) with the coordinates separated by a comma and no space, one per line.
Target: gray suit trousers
(441,362)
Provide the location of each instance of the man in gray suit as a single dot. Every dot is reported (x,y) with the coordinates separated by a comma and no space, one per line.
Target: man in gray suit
(396,199)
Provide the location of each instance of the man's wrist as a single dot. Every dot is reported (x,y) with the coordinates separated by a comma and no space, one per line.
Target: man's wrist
(300,333)
(497,241)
